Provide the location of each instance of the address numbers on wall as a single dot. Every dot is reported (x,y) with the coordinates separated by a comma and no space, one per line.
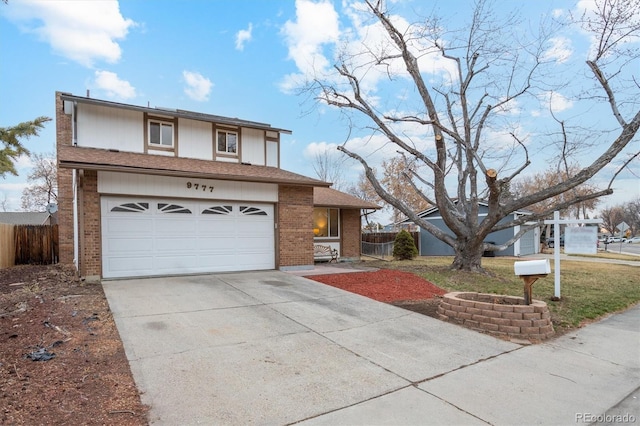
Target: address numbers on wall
(199,187)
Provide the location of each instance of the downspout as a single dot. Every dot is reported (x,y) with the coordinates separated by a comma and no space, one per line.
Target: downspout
(75,217)
(74,139)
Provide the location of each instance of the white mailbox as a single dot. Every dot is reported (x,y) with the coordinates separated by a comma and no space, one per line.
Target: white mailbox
(532,267)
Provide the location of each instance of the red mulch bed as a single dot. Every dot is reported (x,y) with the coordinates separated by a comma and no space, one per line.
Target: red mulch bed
(384,285)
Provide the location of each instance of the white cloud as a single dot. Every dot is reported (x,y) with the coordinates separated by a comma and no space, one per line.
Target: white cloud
(319,148)
(588,6)
(616,33)
(198,87)
(23,163)
(83,31)
(316,25)
(13,187)
(110,83)
(559,103)
(512,107)
(497,141)
(243,36)
(559,51)
(315,40)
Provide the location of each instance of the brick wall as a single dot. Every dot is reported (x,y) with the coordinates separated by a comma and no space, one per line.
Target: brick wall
(91,235)
(64,136)
(350,233)
(295,228)
(498,315)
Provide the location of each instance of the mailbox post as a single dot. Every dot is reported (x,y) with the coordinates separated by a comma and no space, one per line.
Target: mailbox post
(530,271)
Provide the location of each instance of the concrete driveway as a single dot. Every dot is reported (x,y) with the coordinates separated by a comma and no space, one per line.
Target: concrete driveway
(272,348)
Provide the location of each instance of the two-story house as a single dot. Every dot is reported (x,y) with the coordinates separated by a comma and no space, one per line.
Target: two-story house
(148,192)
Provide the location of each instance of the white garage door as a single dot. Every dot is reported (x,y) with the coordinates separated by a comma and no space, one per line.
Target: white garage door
(145,237)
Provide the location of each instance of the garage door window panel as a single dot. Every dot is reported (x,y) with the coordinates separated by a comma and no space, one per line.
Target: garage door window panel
(172,208)
(131,207)
(221,210)
(252,211)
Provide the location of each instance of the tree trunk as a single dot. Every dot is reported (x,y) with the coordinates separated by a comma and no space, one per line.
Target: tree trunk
(469,256)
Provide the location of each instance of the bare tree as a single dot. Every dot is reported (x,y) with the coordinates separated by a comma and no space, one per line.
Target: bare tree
(43,188)
(632,215)
(628,213)
(397,180)
(550,177)
(329,167)
(461,163)
(611,218)
(4,203)
(364,190)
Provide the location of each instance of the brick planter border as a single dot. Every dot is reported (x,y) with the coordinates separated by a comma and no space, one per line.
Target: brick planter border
(504,316)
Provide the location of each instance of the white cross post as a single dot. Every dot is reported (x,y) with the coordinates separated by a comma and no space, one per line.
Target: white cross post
(556,243)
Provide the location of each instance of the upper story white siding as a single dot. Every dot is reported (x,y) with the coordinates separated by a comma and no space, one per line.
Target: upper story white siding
(253,148)
(110,128)
(195,139)
(272,154)
(126,128)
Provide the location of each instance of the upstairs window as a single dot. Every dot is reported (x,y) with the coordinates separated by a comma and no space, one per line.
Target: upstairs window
(227,142)
(160,133)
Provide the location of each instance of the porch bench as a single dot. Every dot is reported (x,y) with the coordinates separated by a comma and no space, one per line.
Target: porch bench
(322,252)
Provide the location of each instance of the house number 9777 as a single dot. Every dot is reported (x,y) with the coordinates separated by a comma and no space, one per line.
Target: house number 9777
(199,187)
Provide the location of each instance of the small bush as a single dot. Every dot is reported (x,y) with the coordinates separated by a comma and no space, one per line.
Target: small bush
(404,248)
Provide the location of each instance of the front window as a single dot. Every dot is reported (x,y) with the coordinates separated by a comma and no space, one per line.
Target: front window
(160,133)
(325,223)
(227,142)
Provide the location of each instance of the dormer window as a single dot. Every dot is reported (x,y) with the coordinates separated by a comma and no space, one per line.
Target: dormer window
(161,133)
(227,142)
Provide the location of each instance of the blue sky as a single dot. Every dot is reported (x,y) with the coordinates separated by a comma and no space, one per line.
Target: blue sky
(232,58)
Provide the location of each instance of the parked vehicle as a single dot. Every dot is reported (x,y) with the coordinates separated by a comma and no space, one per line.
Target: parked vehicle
(615,240)
(633,240)
(551,242)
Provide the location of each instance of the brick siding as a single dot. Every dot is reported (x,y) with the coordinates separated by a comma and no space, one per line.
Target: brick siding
(295,225)
(350,233)
(91,233)
(64,136)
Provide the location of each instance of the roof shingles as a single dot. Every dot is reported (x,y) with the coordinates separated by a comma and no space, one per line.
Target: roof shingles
(328,197)
(102,159)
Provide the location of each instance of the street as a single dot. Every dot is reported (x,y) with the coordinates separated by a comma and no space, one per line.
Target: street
(622,248)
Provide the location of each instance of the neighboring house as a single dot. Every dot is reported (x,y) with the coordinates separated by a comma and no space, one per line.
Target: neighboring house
(26,218)
(397,227)
(337,221)
(147,191)
(527,244)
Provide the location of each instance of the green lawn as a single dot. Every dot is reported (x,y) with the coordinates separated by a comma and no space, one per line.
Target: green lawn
(589,290)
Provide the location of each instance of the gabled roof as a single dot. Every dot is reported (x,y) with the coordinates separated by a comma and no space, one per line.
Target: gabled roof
(433,209)
(24,218)
(328,197)
(179,113)
(71,157)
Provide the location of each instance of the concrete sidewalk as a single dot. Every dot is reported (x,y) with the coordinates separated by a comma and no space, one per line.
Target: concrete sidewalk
(272,348)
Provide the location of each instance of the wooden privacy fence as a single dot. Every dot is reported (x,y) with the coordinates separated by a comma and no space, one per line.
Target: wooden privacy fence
(36,244)
(7,245)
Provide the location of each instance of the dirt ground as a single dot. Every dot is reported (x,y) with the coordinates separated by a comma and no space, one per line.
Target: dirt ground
(61,358)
